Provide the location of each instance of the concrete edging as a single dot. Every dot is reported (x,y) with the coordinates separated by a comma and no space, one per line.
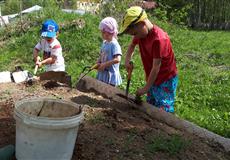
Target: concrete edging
(90,84)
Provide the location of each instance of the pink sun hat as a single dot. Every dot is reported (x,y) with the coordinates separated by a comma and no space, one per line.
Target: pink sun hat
(109,24)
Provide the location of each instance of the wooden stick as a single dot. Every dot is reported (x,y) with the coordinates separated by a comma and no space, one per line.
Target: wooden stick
(35,69)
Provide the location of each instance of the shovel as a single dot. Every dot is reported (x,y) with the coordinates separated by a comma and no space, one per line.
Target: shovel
(30,77)
(36,66)
(129,79)
(19,75)
(35,69)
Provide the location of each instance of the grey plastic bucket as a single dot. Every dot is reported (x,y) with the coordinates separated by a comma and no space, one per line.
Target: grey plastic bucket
(46,129)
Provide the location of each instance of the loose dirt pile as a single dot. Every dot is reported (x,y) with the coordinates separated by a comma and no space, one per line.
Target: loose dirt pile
(111,130)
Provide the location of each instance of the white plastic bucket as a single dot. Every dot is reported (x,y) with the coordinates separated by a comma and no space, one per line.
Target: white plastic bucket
(46,129)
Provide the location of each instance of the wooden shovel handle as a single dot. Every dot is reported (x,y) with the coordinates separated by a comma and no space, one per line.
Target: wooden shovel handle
(130,70)
(35,69)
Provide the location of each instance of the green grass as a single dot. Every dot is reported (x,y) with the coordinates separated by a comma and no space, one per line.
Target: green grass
(203,61)
(97,118)
(203,95)
(172,145)
(130,138)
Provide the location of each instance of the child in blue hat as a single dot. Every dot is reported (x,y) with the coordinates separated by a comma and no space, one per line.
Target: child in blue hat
(51,48)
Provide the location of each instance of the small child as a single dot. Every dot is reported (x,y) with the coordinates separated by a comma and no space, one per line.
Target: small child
(51,48)
(157,57)
(110,54)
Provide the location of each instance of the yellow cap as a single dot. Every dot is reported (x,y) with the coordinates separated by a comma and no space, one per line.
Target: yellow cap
(133,15)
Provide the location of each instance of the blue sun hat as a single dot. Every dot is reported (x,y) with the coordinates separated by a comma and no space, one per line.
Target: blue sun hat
(49,28)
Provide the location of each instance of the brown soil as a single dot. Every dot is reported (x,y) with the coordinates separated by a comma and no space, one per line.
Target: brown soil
(111,130)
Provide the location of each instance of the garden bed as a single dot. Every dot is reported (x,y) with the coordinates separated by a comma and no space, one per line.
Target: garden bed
(112,129)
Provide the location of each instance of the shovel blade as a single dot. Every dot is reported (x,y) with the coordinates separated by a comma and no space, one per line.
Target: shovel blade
(20,76)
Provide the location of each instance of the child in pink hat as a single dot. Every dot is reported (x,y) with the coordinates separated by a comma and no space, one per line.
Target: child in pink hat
(110,53)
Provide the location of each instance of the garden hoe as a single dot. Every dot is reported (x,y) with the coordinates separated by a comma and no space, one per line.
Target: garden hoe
(86,70)
(137,99)
(129,79)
